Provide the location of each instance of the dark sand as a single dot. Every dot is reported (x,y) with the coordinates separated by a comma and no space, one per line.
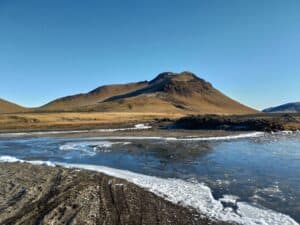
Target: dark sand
(31,194)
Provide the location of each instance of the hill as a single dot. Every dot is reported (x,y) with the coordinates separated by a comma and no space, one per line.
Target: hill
(286,108)
(167,93)
(9,107)
(171,92)
(80,101)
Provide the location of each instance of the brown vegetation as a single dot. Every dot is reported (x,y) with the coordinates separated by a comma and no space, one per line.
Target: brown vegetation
(9,107)
(76,120)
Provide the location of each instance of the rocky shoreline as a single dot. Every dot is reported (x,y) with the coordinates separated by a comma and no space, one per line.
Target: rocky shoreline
(36,194)
(266,123)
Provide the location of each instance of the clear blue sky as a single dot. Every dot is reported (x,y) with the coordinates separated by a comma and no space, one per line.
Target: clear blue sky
(249,49)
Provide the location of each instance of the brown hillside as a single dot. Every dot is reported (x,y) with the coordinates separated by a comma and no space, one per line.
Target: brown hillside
(170,92)
(8,107)
(74,102)
(182,93)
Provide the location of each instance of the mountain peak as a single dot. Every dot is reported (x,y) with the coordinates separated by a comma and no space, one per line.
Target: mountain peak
(184,83)
(167,76)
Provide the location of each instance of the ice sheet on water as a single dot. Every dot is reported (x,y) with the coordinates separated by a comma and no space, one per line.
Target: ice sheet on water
(90,147)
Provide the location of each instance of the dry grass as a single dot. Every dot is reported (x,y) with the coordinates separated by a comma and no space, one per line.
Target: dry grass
(74,102)
(8,107)
(293,126)
(69,120)
(91,120)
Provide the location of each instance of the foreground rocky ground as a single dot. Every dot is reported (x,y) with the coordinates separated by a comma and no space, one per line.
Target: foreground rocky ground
(31,194)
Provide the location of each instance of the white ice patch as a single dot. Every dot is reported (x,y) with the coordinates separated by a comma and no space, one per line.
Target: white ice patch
(90,147)
(195,195)
(12,159)
(286,132)
(45,163)
(222,182)
(9,159)
(218,138)
(21,134)
(229,199)
(142,126)
(273,191)
(82,145)
(229,137)
(262,216)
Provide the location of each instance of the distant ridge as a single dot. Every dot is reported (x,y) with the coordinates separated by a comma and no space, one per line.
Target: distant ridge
(168,92)
(9,107)
(80,101)
(293,107)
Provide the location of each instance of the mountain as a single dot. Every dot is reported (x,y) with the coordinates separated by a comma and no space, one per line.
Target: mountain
(168,92)
(293,107)
(9,107)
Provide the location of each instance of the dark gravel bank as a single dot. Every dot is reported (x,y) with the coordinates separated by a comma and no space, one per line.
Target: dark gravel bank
(236,123)
(32,194)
